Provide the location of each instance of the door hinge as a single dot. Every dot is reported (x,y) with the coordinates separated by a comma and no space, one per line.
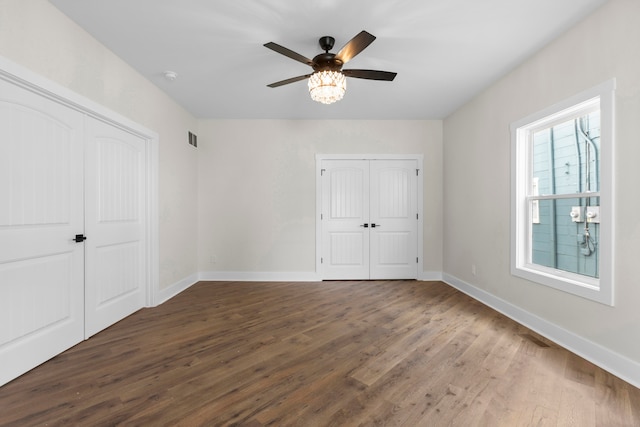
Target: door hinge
(417,217)
(416,260)
(322,171)
(321,217)
(321,260)
(417,172)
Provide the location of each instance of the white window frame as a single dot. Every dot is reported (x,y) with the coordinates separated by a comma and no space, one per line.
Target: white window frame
(596,289)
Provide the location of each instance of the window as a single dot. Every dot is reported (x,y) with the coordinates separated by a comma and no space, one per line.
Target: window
(562,181)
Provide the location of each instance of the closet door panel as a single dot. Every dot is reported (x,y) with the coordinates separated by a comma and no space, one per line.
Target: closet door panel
(41,211)
(345,211)
(116,229)
(394,210)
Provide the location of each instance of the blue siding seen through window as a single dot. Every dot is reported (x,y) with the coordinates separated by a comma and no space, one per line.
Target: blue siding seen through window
(566,161)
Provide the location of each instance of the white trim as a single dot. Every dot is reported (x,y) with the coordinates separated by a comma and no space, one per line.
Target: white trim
(615,363)
(267,276)
(318,214)
(419,158)
(260,276)
(171,291)
(599,289)
(27,79)
(153,227)
(430,276)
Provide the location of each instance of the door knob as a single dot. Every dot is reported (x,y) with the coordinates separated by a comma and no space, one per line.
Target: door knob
(364,225)
(80,238)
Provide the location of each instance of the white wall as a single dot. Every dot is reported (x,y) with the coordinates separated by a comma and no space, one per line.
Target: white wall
(257,186)
(35,35)
(477,174)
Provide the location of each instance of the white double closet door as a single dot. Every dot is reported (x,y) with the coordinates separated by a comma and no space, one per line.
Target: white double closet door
(65,176)
(369,219)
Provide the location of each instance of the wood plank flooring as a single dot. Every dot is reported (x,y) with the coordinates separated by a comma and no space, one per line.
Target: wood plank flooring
(396,353)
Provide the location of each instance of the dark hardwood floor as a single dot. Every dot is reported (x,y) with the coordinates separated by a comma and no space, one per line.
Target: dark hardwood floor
(401,353)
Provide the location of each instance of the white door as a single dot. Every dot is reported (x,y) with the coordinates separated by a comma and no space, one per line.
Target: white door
(41,210)
(345,219)
(394,212)
(115,190)
(369,219)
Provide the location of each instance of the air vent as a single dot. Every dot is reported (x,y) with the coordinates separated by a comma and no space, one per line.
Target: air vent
(193,139)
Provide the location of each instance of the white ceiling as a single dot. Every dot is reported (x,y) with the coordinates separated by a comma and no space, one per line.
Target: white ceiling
(444,51)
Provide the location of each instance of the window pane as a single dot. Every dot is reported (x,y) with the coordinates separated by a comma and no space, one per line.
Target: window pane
(564,242)
(566,157)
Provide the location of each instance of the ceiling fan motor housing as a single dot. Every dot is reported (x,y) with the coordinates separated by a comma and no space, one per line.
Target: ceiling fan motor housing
(326,61)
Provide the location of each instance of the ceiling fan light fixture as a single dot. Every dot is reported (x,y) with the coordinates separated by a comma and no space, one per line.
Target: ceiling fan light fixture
(327,86)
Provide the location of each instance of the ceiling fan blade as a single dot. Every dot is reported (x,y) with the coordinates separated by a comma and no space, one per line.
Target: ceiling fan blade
(289,53)
(370,74)
(355,46)
(291,80)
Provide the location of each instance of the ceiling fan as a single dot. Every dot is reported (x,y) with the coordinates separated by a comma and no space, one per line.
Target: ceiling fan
(327,83)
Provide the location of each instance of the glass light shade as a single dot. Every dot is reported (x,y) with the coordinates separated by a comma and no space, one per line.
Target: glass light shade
(327,86)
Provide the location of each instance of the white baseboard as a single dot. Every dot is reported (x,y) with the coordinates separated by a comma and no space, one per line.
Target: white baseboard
(618,365)
(279,276)
(260,276)
(171,291)
(430,276)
